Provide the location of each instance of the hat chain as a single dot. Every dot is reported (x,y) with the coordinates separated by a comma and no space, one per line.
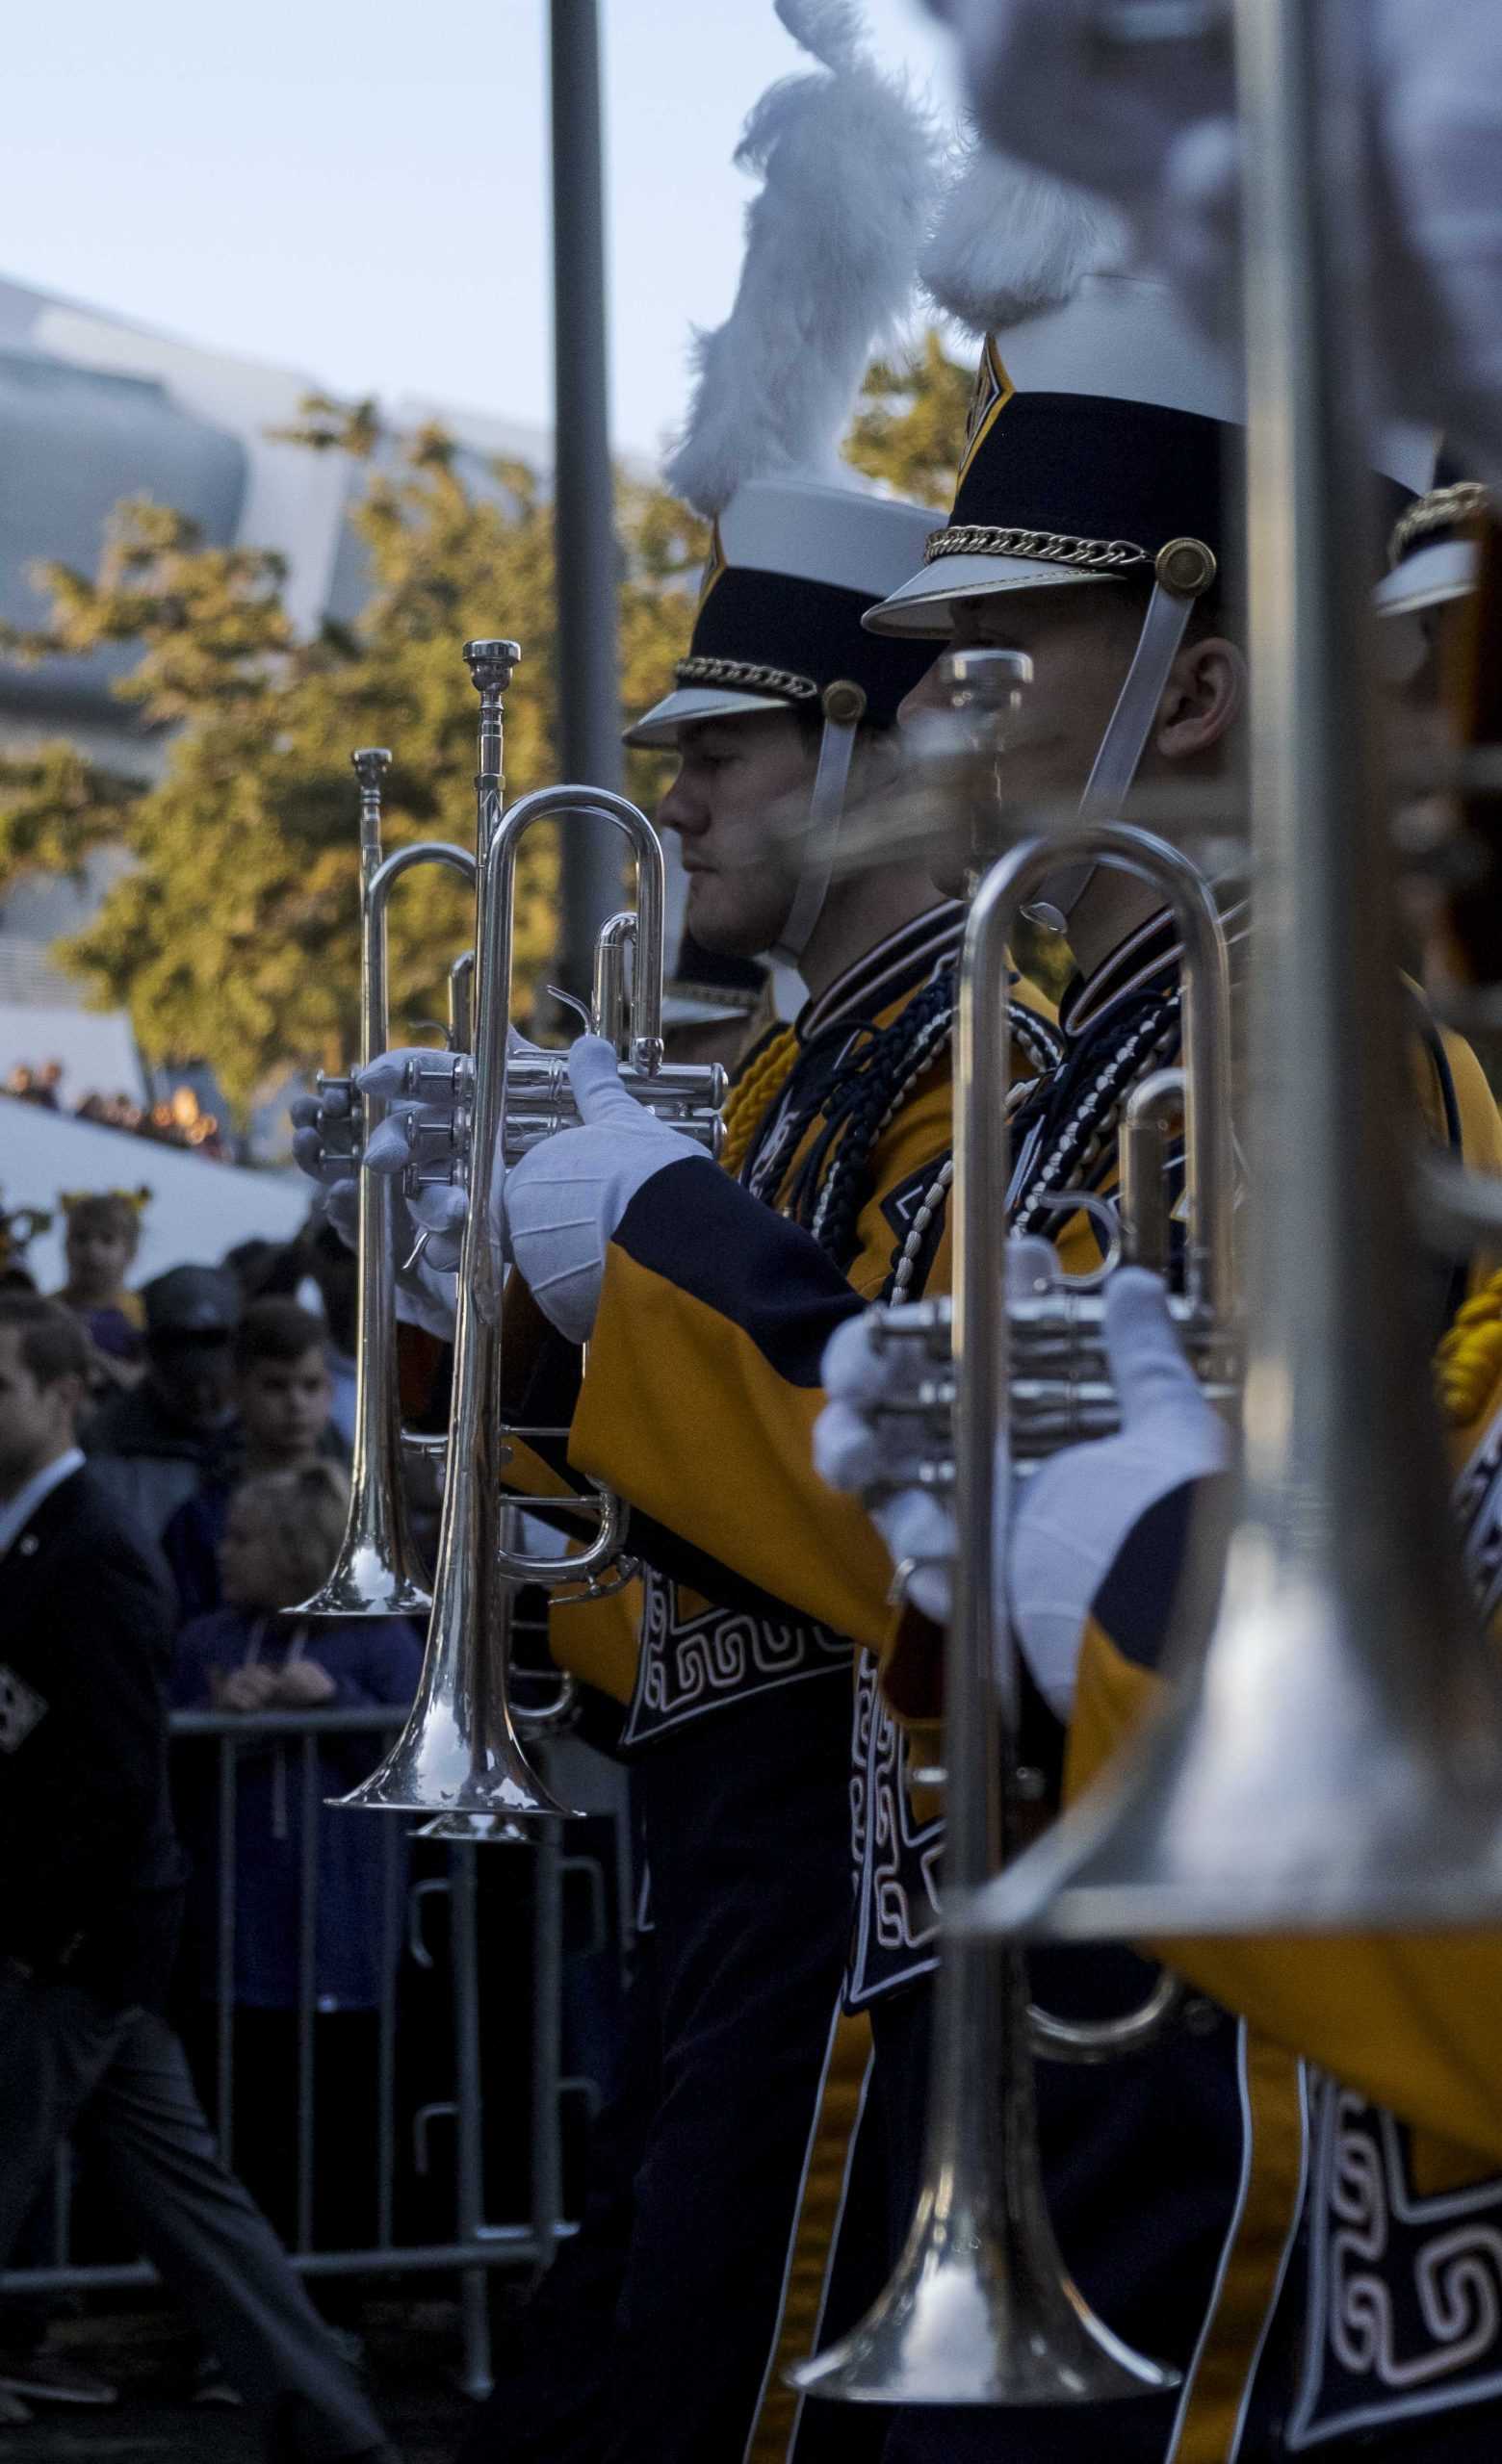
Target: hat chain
(779,681)
(1045,546)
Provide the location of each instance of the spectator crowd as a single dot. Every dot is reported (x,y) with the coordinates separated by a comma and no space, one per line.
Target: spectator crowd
(178,1121)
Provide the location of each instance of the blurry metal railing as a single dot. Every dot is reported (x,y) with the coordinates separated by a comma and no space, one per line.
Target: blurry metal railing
(478,2242)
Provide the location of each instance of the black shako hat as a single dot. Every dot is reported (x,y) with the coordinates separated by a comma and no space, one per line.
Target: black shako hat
(1104,443)
(793,567)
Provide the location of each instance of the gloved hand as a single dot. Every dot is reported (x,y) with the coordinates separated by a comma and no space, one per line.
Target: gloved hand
(858,1439)
(1072,1519)
(564,1201)
(440,1210)
(425,1291)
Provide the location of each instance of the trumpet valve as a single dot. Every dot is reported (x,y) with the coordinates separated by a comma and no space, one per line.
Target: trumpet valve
(339,1116)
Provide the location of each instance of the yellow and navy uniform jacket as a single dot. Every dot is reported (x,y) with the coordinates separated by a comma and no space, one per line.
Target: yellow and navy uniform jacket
(1344,2096)
(702,1383)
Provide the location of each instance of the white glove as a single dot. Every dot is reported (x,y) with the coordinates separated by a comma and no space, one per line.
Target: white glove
(425,1291)
(854,1446)
(858,1439)
(1071,1520)
(564,1201)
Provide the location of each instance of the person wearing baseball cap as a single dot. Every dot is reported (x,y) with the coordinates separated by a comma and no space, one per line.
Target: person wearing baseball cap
(154,1444)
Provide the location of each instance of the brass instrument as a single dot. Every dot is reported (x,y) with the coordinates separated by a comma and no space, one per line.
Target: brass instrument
(378,1572)
(1059,1391)
(981,2309)
(460,1752)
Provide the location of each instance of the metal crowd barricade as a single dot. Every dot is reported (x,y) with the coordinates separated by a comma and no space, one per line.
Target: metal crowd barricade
(479,2243)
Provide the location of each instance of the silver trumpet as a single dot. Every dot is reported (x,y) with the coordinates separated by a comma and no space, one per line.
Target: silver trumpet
(981,2309)
(460,1752)
(378,1572)
(688,1096)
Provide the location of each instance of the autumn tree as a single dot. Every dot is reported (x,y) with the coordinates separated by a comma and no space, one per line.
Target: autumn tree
(231,935)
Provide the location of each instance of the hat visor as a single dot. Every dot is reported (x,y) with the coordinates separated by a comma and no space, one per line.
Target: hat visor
(658,727)
(920,607)
(1433,577)
(1445,570)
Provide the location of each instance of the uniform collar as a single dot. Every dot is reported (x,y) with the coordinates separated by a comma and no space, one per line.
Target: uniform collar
(17,1513)
(884,973)
(1135,965)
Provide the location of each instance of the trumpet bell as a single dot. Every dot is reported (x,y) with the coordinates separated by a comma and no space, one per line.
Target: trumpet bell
(441,1765)
(365,1584)
(980,2309)
(1335,1766)
(955,2326)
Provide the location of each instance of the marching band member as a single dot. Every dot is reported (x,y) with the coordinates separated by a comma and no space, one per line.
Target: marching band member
(1353,2305)
(1255,2274)
(738,1720)
(1091,493)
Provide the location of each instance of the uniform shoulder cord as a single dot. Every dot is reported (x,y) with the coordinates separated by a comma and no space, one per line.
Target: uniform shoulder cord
(754,1094)
(1469,1357)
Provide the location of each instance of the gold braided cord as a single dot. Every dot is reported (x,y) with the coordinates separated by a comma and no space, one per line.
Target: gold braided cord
(1470,1360)
(1441,509)
(1040,546)
(779,681)
(753,1096)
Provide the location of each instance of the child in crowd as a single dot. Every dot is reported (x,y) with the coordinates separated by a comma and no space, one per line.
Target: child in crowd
(281,1389)
(248,1656)
(103,1232)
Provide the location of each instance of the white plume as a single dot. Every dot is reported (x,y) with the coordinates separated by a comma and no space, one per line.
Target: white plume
(1010,241)
(849,165)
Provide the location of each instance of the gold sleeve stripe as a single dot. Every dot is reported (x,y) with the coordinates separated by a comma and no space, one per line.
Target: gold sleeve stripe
(737,1480)
(1112,1694)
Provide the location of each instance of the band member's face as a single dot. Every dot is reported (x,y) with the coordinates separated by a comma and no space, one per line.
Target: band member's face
(1081,641)
(742,786)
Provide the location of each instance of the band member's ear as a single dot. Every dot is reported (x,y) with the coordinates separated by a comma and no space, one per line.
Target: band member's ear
(1202,699)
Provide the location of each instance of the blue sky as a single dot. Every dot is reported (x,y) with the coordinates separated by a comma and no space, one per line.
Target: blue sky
(360,189)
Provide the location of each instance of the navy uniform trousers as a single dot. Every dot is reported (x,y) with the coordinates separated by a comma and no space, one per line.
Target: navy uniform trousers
(650,2339)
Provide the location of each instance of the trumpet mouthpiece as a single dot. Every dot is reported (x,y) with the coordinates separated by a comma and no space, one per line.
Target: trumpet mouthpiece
(490,663)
